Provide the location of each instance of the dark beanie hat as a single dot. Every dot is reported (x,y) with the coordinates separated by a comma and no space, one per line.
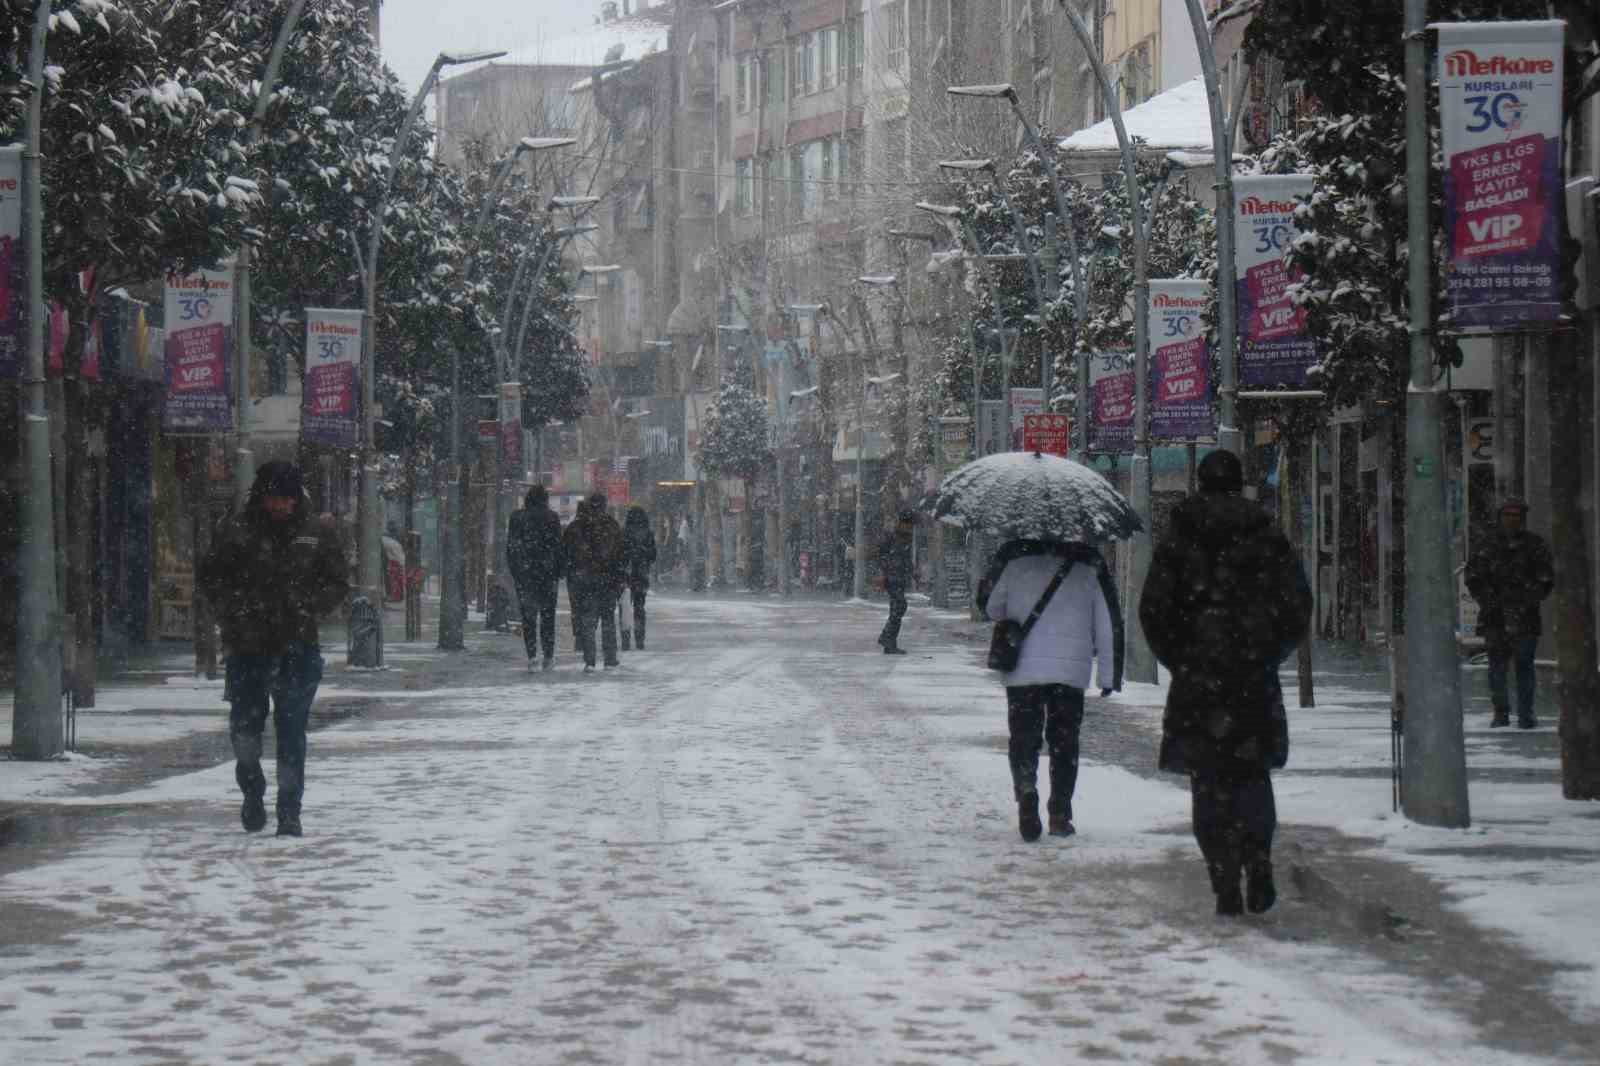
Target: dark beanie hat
(538,496)
(1220,471)
(597,499)
(279,478)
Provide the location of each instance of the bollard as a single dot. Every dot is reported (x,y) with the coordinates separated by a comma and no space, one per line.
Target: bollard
(365,646)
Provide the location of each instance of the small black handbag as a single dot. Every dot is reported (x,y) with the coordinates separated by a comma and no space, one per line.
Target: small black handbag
(1005,643)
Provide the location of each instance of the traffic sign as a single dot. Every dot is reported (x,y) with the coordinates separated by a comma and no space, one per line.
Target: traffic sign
(1047,433)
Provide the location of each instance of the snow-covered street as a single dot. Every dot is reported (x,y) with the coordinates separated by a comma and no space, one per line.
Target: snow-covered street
(760,840)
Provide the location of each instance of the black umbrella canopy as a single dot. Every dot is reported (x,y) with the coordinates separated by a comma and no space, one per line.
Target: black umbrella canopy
(1031,496)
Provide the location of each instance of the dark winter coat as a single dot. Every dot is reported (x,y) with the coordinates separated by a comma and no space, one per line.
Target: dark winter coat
(1510,576)
(533,545)
(1225,602)
(894,562)
(1078,553)
(592,552)
(270,581)
(638,549)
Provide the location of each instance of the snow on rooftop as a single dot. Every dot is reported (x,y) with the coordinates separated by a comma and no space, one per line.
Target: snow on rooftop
(1179,118)
(636,36)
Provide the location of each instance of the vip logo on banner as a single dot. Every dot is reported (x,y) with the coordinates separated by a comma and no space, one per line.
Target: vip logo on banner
(330,411)
(13,283)
(1500,118)
(1111,390)
(199,353)
(1180,360)
(1273,346)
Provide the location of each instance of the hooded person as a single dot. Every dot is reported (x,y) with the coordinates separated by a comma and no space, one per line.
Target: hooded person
(592,554)
(534,556)
(273,570)
(1224,603)
(1509,575)
(894,568)
(638,558)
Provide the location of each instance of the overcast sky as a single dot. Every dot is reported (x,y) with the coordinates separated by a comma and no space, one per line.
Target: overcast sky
(415,31)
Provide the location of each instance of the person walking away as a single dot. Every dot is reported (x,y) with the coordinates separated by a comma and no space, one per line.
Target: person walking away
(1225,602)
(894,564)
(592,549)
(1510,575)
(1076,631)
(638,557)
(272,571)
(533,551)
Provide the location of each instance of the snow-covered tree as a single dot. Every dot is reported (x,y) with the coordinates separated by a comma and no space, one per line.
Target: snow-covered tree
(736,441)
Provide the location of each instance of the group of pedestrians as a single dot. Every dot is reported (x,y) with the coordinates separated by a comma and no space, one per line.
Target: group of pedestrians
(601,562)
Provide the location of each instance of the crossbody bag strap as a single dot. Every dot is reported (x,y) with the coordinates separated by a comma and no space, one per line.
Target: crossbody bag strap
(1044,601)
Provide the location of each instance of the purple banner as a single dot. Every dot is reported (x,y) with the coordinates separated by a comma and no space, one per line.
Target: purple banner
(198,356)
(1273,346)
(1500,127)
(330,411)
(1180,361)
(1111,395)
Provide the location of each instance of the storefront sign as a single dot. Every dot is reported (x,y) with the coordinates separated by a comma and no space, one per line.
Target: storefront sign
(1111,390)
(955,442)
(199,351)
(331,407)
(1180,361)
(1273,346)
(1500,127)
(13,281)
(1048,434)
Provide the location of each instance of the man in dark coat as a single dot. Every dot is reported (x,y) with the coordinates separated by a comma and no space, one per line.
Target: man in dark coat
(1224,603)
(533,551)
(638,559)
(592,552)
(894,565)
(1510,575)
(272,571)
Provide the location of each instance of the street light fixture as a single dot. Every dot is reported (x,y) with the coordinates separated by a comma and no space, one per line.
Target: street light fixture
(942,210)
(991,91)
(967,164)
(573,201)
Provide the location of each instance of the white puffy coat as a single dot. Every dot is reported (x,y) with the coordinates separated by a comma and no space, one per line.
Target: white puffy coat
(1073,633)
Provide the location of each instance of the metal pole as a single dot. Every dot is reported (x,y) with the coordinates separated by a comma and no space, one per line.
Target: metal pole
(36,728)
(453,574)
(1228,435)
(244,465)
(1434,788)
(858,572)
(1141,663)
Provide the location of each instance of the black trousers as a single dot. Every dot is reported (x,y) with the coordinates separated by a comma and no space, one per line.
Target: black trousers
(897,611)
(591,604)
(538,599)
(1051,714)
(1235,817)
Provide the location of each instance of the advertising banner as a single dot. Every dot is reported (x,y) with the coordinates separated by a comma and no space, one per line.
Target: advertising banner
(1111,395)
(511,426)
(13,283)
(1180,360)
(331,407)
(198,353)
(1024,402)
(1048,434)
(1500,128)
(1273,346)
(955,442)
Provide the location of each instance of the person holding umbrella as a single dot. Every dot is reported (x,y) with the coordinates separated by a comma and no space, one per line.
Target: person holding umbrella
(1225,602)
(1051,584)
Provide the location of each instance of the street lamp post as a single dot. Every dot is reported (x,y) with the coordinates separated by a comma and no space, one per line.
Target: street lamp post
(1141,660)
(368,528)
(244,467)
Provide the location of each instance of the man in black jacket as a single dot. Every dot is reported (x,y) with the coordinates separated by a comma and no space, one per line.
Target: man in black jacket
(272,571)
(894,566)
(592,559)
(533,550)
(1510,575)
(1224,603)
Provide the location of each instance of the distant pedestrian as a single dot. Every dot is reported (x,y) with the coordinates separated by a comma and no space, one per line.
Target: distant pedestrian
(1077,634)
(592,551)
(638,558)
(1225,602)
(272,571)
(533,549)
(894,566)
(1510,575)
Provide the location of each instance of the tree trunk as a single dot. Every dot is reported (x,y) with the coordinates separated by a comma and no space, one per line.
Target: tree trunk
(1578,691)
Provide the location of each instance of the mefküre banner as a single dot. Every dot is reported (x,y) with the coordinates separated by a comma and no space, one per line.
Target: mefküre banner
(13,282)
(1111,389)
(199,353)
(1180,360)
(330,409)
(1500,119)
(1274,348)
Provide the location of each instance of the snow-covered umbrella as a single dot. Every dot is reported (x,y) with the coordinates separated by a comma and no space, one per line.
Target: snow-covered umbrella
(1030,496)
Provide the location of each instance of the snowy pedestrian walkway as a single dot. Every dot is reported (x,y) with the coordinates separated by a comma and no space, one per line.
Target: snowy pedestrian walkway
(762,841)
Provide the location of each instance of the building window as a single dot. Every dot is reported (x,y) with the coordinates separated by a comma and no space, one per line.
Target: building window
(855,48)
(744,84)
(827,58)
(744,186)
(854,162)
(803,65)
(892,24)
(829,173)
(797,183)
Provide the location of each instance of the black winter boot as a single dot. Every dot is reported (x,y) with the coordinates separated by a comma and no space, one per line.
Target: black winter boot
(1260,892)
(627,641)
(1028,823)
(253,812)
(288,822)
(1500,720)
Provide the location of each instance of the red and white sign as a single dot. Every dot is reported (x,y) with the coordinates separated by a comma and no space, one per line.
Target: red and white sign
(199,317)
(617,490)
(330,410)
(1046,433)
